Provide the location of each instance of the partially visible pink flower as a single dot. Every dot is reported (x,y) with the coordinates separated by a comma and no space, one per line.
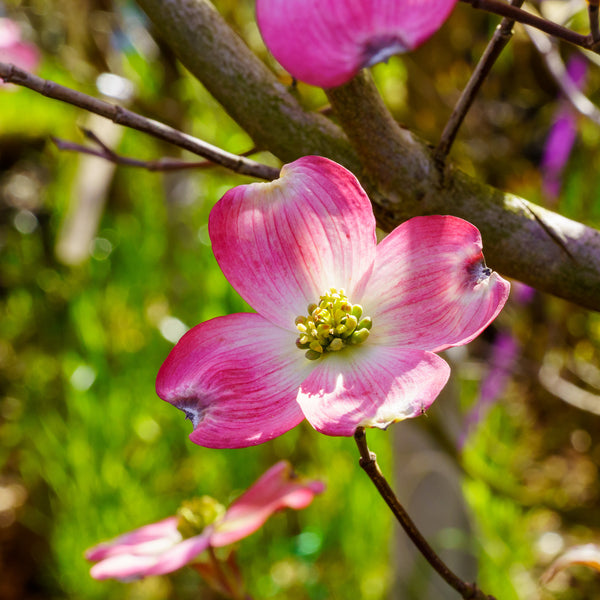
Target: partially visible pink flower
(15,51)
(346,330)
(505,351)
(562,135)
(326,42)
(161,548)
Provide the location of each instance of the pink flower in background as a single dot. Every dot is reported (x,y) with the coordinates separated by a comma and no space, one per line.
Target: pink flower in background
(346,328)
(504,354)
(562,135)
(15,51)
(161,548)
(326,42)
(501,362)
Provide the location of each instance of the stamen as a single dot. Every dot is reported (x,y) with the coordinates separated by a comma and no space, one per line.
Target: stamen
(195,514)
(331,325)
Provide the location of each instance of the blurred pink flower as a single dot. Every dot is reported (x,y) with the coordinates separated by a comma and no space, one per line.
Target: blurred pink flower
(15,51)
(161,548)
(562,135)
(326,42)
(504,354)
(346,329)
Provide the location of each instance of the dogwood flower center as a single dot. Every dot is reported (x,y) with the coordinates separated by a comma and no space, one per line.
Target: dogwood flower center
(331,325)
(194,515)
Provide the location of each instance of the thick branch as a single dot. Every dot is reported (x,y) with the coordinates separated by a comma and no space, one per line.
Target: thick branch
(521,240)
(515,241)
(396,162)
(246,89)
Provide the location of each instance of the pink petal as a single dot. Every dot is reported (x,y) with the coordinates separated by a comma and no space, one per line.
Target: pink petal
(123,544)
(326,42)
(430,288)
(371,386)
(236,378)
(133,566)
(283,244)
(277,489)
(588,555)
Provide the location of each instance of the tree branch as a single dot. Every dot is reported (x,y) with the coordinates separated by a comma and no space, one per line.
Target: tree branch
(407,182)
(397,162)
(368,462)
(248,91)
(593,16)
(396,168)
(521,240)
(12,74)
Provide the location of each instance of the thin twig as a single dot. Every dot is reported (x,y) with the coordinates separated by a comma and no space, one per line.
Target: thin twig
(368,462)
(12,74)
(162,164)
(593,16)
(521,16)
(498,42)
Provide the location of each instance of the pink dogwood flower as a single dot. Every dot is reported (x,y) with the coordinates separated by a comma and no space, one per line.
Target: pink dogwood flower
(326,42)
(164,547)
(346,329)
(13,50)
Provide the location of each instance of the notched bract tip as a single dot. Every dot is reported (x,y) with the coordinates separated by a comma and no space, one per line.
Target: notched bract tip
(193,413)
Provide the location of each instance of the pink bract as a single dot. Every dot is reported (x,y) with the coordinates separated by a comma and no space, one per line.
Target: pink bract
(160,548)
(242,380)
(326,42)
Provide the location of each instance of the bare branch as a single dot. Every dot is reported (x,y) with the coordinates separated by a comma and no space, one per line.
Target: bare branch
(12,74)
(501,37)
(593,16)
(162,164)
(526,18)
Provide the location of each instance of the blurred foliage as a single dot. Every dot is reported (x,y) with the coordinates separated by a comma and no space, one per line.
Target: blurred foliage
(87,449)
